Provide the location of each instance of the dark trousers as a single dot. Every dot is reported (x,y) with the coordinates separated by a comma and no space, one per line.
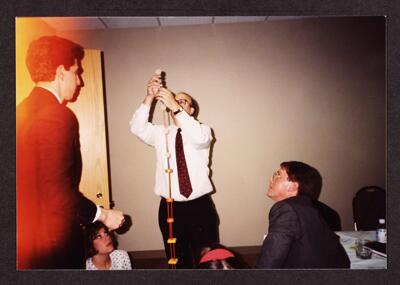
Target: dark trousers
(195,225)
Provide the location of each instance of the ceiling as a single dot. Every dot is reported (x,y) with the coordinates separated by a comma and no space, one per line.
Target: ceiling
(105,23)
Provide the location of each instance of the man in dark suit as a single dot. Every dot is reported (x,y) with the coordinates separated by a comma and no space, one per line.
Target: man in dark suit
(50,208)
(298,236)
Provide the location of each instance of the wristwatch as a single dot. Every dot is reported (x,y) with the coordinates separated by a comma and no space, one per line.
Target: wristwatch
(178,111)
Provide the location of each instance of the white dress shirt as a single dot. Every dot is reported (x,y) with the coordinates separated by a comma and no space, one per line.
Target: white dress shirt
(196,139)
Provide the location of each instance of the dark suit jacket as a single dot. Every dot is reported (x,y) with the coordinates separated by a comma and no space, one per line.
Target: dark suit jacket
(298,237)
(50,207)
(330,216)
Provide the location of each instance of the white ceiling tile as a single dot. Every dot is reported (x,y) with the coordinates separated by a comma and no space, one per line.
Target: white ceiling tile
(178,21)
(279,18)
(74,23)
(93,23)
(235,19)
(129,22)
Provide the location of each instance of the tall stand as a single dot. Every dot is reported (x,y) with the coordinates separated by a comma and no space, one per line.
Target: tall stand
(173,260)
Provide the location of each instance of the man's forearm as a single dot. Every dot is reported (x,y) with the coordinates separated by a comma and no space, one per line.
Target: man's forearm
(148,100)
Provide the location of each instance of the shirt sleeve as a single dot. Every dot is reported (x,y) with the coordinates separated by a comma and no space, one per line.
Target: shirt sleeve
(196,133)
(90,265)
(98,213)
(141,127)
(126,261)
(282,231)
(121,260)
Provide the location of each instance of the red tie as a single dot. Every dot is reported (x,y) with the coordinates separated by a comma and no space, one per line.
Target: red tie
(185,187)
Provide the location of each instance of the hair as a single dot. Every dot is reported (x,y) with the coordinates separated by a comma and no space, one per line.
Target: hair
(45,54)
(90,233)
(309,179)
(234,262)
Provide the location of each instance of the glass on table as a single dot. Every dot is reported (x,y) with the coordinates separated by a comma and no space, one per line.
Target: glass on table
(361,251)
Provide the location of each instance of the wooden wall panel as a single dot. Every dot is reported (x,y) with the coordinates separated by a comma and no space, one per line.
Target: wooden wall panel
(90,111)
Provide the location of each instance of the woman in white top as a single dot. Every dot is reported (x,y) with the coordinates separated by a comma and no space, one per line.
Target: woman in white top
(101,249)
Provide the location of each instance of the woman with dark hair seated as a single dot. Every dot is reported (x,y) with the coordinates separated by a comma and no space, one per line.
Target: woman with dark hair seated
(217,256)
(100,249)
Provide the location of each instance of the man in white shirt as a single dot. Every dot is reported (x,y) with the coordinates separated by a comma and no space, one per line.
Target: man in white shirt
(195,219)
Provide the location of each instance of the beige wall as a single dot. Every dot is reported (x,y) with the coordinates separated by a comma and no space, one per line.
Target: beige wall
(310,90)
(26,30)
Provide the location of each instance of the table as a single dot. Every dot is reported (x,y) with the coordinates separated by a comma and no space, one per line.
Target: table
(348,239)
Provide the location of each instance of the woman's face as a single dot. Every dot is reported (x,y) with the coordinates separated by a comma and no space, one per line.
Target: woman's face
(102,242)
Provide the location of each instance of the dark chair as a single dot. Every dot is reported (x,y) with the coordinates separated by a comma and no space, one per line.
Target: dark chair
(330,216)
(369,205)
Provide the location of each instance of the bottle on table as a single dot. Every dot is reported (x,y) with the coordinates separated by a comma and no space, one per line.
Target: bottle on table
(381,236)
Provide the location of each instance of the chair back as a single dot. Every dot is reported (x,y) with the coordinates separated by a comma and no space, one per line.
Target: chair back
(369,205)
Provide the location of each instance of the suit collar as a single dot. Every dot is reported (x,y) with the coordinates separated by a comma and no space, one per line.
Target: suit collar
(53,93)
(44,95)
